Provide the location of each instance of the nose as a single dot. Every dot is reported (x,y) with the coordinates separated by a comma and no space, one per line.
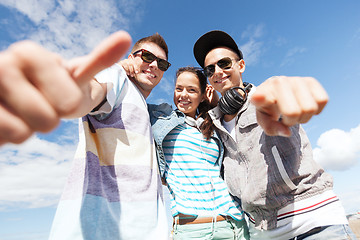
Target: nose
(153,64)
(218,69)
(217,73)
(184,93)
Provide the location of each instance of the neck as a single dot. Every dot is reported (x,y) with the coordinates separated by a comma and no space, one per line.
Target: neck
(191,115)
(228,118)
(143,92)
(240,85)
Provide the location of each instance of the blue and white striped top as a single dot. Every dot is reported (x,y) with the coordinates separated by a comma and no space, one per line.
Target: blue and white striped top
(193,175)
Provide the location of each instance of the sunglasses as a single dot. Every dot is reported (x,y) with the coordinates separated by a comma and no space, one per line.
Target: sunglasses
(224,63)
(149,57)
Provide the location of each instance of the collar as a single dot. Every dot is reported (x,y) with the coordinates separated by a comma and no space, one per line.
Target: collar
(194,123)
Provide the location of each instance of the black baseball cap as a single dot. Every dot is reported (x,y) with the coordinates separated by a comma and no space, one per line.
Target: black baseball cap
(211,40)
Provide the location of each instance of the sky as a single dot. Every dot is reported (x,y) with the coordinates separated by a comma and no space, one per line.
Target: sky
(279,37)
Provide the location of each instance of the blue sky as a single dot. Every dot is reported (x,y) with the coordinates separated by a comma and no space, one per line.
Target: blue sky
(280,37)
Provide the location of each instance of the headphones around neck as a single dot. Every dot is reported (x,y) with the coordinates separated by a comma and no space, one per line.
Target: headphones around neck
(232,101)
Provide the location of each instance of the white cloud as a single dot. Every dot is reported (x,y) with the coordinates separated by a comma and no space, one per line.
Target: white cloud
(36,10)
(253,48)
(280,41)
(252,51)
(291,54)
(73,28)
(33,174)
(253,31)
(337,149)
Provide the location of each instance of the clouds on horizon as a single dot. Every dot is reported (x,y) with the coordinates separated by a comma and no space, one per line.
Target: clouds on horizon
(337,149)
(33,174)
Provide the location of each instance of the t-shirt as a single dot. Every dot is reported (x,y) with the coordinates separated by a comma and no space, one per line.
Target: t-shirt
(114,189)
(230,127)
(193,175)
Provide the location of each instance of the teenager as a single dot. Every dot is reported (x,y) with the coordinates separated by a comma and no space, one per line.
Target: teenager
(114,190)
(190,155)
(268,161)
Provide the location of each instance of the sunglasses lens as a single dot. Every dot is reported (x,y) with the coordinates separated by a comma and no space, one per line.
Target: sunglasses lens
(224,63)
(163,65)
(209,70)
(147,56)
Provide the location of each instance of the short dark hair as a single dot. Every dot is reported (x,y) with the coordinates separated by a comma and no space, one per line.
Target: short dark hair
(155,38)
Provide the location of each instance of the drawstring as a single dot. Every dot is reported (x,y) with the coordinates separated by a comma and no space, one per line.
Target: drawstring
(176,222)
(213,223)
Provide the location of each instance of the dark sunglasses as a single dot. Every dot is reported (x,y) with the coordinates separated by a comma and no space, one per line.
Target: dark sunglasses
(224,63)
(149,57)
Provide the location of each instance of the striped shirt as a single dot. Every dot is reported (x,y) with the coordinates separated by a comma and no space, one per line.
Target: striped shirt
(193,175)
(114,189)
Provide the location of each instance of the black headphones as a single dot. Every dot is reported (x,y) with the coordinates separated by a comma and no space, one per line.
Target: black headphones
(232,101)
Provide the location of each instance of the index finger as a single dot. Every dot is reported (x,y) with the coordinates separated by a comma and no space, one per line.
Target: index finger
(103,56)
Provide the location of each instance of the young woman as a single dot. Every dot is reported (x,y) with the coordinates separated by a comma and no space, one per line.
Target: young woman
(190,159)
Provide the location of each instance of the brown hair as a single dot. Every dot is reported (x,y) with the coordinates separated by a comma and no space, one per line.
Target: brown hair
(207,127)
(155,38)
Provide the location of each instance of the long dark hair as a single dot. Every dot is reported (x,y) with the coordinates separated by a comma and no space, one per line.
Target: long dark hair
(207,127)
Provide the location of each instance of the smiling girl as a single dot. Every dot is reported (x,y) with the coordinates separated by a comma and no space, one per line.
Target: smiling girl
(190,157)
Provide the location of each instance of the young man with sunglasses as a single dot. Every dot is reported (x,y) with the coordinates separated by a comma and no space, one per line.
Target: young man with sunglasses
(114,190)
(268,160)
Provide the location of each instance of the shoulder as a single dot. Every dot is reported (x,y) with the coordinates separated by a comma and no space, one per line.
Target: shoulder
(157,110)
(163,115)
(111,74)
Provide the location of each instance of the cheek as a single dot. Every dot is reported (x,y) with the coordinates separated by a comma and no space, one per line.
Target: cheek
(175,98)
(215,86)
(197,99)
(211,81)
(139,64)
(160,74)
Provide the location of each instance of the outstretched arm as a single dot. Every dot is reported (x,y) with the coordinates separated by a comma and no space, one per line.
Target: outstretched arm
(291,99)
(38,87)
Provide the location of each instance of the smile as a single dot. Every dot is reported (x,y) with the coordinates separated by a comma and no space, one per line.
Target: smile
(150,74)
(221,80)
(184,102)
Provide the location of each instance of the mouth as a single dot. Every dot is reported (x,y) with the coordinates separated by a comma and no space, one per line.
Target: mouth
(184,103)
(149,74)
(222,79)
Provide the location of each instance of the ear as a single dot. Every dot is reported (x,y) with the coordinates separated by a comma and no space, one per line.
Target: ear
(242,65)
